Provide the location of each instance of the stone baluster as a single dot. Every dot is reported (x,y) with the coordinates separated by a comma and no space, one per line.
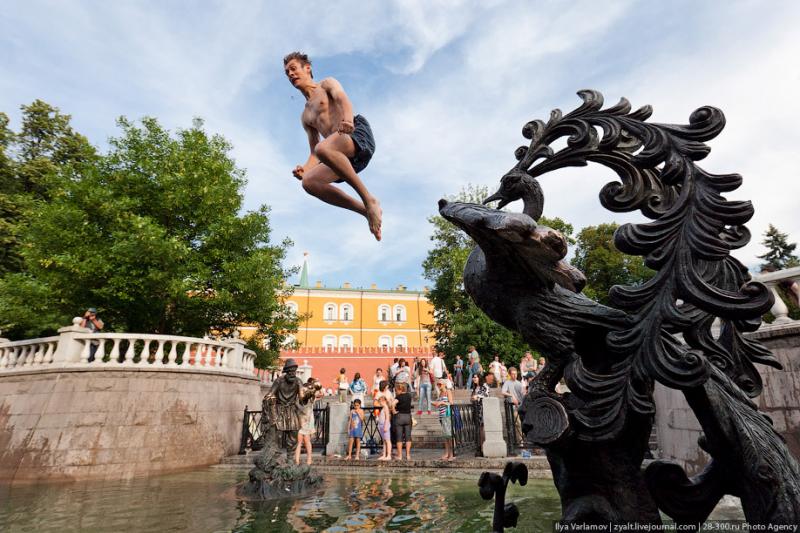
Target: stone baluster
(113,357)
(86,351)
(173,354)
(25,358)
(38,355)
(4,351)
(48,355)
(779,309)
(144,355)
(12,356)
(100,354)
(159,353)
(200,357)
(130,353)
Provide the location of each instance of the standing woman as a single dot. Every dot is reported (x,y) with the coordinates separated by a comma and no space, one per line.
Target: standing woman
(424,377)
(459,367)
(358,388)
(443,402)
(402,421)
(385,401)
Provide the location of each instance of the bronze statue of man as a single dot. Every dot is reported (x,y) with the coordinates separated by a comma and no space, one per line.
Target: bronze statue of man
(283,404)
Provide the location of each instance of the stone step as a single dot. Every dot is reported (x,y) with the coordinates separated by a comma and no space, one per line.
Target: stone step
(424,459)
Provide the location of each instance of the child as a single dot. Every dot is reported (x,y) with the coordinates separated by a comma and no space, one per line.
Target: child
(443,402)
(356,429)
(385,402)
(308,428)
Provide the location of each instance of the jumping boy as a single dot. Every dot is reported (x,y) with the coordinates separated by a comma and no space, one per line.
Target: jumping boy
(346,147)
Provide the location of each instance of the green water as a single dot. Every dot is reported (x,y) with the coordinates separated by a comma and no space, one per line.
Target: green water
(203,501)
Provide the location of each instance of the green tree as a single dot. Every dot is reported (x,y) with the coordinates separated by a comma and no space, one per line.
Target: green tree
(458,323)
(151,234)
(780,254)
(604,265)
(31,164)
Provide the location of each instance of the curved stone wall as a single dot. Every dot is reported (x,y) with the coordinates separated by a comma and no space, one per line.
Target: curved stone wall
(63,425)
(678,429)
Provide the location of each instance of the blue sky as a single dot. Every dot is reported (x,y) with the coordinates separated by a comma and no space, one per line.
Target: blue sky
(446,85)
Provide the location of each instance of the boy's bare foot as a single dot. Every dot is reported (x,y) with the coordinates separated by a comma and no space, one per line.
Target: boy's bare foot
(374,216)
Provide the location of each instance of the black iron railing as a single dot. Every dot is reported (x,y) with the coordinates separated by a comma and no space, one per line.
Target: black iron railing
(513,430)
(372,439)
(252,430)
(466,421)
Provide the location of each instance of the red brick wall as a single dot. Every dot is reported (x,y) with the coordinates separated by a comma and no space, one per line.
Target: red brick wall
(325,366)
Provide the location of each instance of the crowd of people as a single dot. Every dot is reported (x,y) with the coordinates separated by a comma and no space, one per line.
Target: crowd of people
(393,391)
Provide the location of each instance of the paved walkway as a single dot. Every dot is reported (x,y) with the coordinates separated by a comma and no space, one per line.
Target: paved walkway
(421,460)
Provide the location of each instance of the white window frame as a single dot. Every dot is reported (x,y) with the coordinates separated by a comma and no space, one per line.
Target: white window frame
(387,343)
(329,342)
(401,310)
(400,341)
(292,306)
(346,342)
(343,309)
(381,309)
(330,317)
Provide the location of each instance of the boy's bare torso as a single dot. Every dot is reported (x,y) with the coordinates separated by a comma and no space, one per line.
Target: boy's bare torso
(321,112)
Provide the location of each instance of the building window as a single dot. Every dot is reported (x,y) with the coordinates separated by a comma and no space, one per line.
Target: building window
(329,342)
(384,312)
(330,311)
(346,312)
(400,342)
(400,313)
(291,307)
(346,341)
(286,342)
(385,341)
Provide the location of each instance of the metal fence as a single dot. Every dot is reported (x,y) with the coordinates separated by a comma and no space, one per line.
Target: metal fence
(466,421)
(372,439)
(513,430)
(252,429)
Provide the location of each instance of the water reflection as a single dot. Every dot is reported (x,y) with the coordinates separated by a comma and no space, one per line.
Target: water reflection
(204,501)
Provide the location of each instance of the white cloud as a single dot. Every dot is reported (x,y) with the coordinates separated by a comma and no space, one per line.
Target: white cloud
(447,87)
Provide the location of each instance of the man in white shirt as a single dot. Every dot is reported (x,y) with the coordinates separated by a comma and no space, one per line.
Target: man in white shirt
(437,366)
(394,369)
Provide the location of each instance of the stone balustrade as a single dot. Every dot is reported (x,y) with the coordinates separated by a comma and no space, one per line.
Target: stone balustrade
(76,347)
(28,353)
(790,278)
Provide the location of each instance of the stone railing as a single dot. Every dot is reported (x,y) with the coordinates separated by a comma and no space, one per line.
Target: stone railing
(790,279)
(77,347)
(28,353)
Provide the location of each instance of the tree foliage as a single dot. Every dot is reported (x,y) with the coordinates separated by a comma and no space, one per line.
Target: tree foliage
(458,321)
(604,265)
(150,233)
(30,170)
(780,253)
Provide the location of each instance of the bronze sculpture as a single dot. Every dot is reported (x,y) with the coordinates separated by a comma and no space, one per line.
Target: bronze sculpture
(596,436)
(274,476)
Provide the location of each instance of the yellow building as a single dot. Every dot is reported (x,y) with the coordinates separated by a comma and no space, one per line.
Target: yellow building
(347,317)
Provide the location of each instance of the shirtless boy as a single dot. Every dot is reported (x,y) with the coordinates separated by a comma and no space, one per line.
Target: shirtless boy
(346,146)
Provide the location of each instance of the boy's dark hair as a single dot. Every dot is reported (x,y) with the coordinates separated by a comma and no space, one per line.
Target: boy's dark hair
(356,402)
(357,376)
(341,371)
(301,57)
